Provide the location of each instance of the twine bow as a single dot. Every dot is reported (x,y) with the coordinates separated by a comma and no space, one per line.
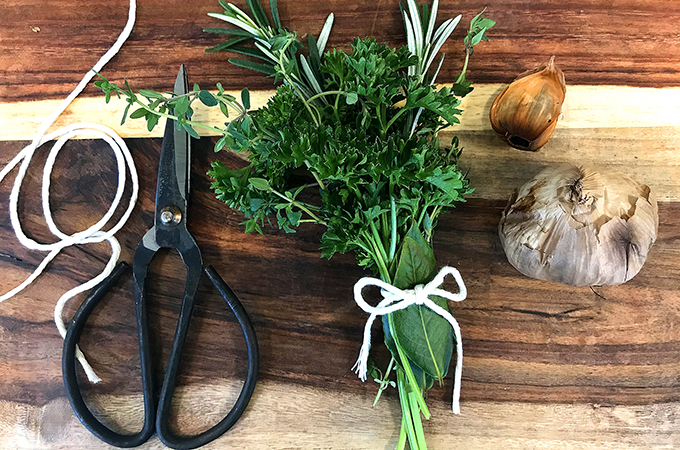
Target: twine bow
(395,299)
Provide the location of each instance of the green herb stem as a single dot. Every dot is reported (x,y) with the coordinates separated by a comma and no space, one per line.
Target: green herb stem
(337,101)
(317,120)
(384,382)
(417,423)
(380,262)
(396,116)
(320,181)
(189,122)
(461,77)
(301,206)
(378,242)
(393,240)
(401,443)
(322,94)
(406,409)
(422,215)
(406,364)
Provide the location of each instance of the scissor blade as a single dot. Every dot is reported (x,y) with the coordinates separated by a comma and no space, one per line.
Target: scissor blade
(181,83)
(173,169)
(182,140)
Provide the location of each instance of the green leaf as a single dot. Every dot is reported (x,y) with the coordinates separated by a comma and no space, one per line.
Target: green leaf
(425,337)
(314,57)
(232,31)
(249,51)
(417,264)
(260,184)
(479,25)
(462,87)
(150,94)
(138,113)
(294,218)
(352,98)
(125,112)
(258,13)
(189,129)
(226,45)
(224,109)
(256,203)
(275,14)
(245,98)
(424,380)
(449,183)
(325,33)
(245,125)
(477,38)
(221,143)
(152,121)
(207,98)
(251,225)
(181,106)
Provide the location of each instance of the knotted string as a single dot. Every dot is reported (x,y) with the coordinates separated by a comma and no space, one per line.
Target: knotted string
(395,299)
(94,233)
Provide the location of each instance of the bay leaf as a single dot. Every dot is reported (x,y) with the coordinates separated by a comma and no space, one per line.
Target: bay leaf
(425,337)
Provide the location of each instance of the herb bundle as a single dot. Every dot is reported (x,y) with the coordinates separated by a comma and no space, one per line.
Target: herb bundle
(349,141)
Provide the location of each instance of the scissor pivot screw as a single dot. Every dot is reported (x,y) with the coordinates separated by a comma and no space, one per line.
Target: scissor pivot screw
(170,215)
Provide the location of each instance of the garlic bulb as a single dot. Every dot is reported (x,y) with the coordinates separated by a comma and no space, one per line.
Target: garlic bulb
(525,113)
(578,226)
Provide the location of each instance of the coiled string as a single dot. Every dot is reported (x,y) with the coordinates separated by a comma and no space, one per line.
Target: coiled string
(95,232)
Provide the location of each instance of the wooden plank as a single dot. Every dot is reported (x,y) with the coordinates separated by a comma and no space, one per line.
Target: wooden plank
(632,130)
(586,108)
(546,365)
(622,42)
(284,417)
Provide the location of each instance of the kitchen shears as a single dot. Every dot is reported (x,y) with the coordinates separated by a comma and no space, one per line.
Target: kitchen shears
(169,231)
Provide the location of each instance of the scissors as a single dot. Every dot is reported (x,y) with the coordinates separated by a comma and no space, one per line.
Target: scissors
(169,231)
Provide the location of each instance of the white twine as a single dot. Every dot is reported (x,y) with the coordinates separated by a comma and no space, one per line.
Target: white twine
(94,233)
(395,299)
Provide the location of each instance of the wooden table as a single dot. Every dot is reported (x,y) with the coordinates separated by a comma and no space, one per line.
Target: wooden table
(546,366)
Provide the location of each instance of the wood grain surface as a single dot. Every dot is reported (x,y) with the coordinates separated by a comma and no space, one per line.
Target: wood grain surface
(46,45)
(546,366)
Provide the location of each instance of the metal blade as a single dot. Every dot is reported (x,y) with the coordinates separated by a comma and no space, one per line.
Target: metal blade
(182,139)
(173,175)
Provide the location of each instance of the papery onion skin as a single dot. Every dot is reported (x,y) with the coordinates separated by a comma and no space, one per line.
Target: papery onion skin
(580,226)
(525,114)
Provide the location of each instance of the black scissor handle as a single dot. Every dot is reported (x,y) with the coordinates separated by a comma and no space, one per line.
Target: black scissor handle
(154,421)
(162,426)
(69,363)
